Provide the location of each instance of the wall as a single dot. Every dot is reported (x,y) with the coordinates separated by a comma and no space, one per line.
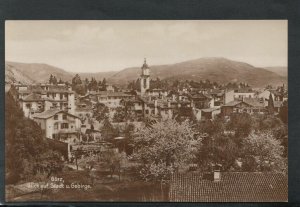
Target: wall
(229,96)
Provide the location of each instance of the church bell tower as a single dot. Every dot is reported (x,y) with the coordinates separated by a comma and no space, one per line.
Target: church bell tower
(145,77)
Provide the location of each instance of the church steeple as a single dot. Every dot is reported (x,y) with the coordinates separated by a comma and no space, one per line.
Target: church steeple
(145,77)
(145,65)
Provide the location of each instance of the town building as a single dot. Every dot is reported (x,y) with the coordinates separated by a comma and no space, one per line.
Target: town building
(110,99)
(59,125)
(246,92)
(38,98)
(246,105)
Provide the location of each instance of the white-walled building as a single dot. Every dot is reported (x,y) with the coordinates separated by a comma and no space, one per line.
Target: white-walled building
(60,125)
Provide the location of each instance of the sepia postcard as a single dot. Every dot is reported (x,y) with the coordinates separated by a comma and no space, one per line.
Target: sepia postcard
(146,111)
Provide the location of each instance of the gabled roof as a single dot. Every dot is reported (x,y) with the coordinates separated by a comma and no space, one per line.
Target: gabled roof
(255,102)
(233,187)
(33,97)
(51,112)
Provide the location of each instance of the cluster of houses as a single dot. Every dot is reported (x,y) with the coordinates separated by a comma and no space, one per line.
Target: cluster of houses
(65,116)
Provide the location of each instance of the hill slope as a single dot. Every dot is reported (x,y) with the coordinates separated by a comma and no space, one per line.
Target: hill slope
(40,73)
(283,71)
(220,70)
(215,69)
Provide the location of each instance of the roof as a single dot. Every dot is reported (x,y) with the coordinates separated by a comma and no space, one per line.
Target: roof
(200,96)
(111,94)
(243,90)
(232,103)
(216,92)
(208,110)
(233,187)
(33,97)
(89,131)
(254,102)
(49,113)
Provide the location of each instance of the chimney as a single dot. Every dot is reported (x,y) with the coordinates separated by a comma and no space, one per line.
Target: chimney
(217,175)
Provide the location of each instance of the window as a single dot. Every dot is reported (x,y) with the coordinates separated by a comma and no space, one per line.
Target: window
(56,117)
(28,105)
(55,126)
(64,126)
(64,117)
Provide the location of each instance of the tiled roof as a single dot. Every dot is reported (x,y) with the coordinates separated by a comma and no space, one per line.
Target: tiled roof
(233,187)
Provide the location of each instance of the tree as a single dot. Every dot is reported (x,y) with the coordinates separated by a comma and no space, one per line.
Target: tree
(119,115)
(54,82)
(80,89)
(93,85)
(23,146)
(100,112)
(241,124)
(107,130)
(271,104)
(60,81)
(262,152)
(76,80)
(163,148)
(283,114)
(104,82)
(115,162)
(51,79)
(216,147)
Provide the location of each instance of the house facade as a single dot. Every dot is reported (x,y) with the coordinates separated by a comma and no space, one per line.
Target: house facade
(59,125)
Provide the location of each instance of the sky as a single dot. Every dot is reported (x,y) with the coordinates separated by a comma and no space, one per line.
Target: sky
(111,45)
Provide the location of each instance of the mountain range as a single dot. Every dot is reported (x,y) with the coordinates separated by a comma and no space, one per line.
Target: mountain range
(220,70)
